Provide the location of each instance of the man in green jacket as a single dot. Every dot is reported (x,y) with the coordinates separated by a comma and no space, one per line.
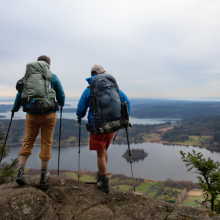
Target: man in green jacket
(46,122)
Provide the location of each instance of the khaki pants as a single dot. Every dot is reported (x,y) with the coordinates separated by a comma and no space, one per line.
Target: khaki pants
(33,123)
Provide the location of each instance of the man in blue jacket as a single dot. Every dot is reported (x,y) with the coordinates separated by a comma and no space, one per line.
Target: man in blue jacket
(99,143)
(46,122)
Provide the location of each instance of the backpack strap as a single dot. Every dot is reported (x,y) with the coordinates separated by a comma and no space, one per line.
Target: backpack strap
(110,124)
(92,98)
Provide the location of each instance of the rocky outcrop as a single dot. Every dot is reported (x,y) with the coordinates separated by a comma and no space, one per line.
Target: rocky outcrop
(68,199)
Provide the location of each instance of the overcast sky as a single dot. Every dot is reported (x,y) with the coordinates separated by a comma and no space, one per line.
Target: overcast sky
(159,49)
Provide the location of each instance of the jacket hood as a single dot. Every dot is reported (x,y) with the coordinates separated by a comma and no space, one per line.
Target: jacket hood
(89,80)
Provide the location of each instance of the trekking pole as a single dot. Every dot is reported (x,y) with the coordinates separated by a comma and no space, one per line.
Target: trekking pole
(79,121)
(130,157)
(3,149)
(59,141)
(115,135)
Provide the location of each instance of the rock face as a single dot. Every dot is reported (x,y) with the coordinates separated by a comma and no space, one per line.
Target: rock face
(68,199)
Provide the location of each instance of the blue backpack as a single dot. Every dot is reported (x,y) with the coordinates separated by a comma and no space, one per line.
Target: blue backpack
(109,113)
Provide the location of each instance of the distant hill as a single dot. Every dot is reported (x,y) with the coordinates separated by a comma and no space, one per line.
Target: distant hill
(175,109)
(5,108)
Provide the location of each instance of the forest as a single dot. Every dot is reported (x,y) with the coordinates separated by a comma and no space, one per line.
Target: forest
(202,131)
(70,132)
(69,136)
(207,127)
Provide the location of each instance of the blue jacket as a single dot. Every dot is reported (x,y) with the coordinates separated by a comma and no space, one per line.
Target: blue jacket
(84,102)
(55,84)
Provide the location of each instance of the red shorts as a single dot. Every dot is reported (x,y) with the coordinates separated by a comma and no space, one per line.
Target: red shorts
(100,142)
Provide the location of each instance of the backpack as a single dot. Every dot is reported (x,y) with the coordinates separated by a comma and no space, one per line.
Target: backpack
(108,116)
(36,96)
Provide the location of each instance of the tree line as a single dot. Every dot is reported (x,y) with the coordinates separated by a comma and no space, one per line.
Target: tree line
(198,126)
(175,110)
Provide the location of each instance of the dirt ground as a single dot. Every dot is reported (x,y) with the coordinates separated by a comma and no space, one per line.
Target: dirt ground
(165,129)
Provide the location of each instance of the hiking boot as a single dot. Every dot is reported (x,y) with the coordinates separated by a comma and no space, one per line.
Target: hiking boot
(98,176)
(45,175)
(20,177)
(103,184)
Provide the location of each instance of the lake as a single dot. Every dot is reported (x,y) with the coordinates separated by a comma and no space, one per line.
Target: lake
(162,162)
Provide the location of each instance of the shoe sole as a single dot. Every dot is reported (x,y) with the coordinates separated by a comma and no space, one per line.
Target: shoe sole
(103,190)
(44,181)
(20,182)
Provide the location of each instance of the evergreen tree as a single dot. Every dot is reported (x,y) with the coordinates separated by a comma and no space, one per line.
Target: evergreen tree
(209,179)
(7,173)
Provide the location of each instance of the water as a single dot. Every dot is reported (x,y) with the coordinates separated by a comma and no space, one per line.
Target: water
(73,104)
(162,162)
(152,120)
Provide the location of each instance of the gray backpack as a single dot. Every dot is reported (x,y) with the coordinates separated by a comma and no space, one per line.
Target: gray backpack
(36,94)
(108,110)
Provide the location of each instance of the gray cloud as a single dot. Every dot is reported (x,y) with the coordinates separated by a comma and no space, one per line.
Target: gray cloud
(159,49)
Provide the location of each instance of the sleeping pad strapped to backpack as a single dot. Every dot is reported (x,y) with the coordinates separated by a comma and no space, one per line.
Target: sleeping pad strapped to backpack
(106,105)
(36,96)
